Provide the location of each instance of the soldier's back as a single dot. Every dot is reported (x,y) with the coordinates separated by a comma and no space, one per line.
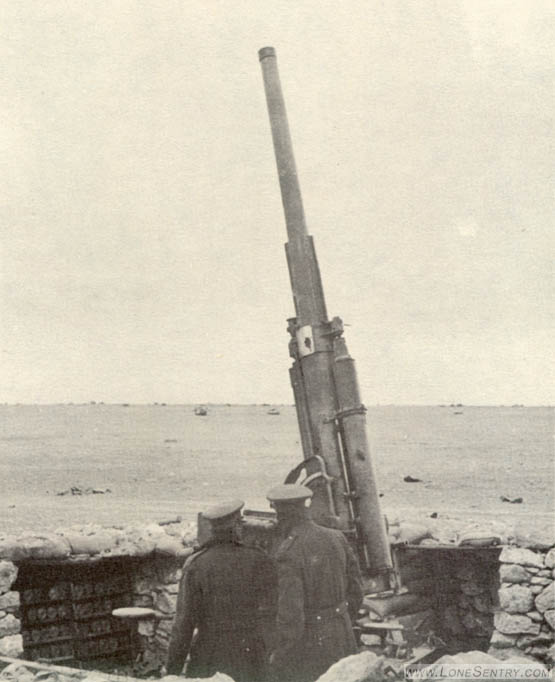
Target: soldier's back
(323,558)
(235,583)
(232,577)
(322,578)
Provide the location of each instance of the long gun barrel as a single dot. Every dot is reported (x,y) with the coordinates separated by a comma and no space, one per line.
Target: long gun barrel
(331,417)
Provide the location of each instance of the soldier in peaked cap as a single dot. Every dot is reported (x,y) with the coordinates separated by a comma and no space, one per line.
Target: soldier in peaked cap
(223,594)
(319,591)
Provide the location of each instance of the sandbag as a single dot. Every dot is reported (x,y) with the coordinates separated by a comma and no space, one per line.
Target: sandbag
(477,539)
(8,547)
(95,543)
(412,533)
(44,546)
(397,604)
(172,546)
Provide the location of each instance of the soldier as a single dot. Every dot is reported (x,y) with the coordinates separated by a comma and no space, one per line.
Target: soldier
(319,591)
(223,594)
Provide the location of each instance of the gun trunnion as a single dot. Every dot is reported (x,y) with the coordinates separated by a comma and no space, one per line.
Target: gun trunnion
(332,420)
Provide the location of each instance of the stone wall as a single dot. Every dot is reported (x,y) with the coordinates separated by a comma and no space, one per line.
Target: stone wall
(156,586)
(525,621)
(157,552)
(11,643)
(502,596)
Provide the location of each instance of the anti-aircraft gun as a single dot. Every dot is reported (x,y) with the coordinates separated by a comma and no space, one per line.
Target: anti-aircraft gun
(337,465)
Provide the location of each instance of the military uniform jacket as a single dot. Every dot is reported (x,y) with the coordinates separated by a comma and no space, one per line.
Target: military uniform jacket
(224,597)
(319,592)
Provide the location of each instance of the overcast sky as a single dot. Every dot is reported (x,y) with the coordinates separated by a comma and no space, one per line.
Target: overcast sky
(141,224)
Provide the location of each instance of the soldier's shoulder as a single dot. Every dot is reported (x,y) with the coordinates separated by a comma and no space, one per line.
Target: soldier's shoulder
(330,536)
(316,529)
(287,546)
(253,551)
(193,559)
(328,531)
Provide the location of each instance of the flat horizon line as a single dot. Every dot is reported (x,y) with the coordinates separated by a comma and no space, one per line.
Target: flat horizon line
(100,403)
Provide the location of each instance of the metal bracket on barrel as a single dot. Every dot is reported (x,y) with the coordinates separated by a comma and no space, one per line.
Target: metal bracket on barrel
(342,414)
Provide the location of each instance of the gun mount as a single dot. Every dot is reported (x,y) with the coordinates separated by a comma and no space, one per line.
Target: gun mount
(332,422)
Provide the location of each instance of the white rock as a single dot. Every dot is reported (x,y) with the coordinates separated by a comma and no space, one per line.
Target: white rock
(9,625)
(355,668)
(518,555)
(539,580)
(546,599)
(8,574)
(513,573)
(550,558)
(535,615)
(501,641)
(549,616)
(10,600)
(510,624)
(11,646)
(516,599)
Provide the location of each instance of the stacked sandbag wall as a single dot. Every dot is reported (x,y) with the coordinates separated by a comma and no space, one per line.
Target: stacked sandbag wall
(525,621)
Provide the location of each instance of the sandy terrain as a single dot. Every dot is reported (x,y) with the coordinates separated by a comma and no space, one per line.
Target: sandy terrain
(159,462)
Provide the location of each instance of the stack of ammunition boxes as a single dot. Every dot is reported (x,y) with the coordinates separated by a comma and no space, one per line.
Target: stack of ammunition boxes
(71,619)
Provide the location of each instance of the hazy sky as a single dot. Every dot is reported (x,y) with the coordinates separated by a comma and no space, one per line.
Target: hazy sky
(142,228)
